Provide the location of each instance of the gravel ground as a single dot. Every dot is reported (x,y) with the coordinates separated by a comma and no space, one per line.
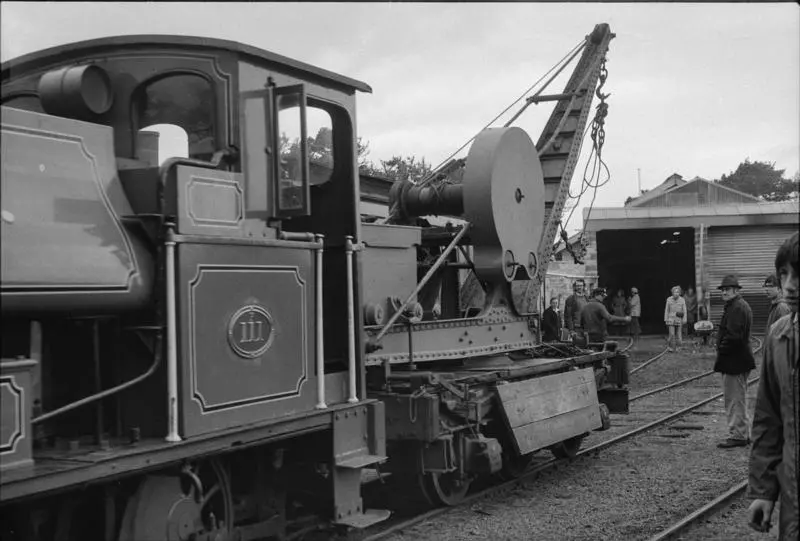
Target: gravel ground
(631,490)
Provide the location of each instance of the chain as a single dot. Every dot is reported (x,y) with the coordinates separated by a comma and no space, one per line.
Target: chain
(598,135)
(598,124)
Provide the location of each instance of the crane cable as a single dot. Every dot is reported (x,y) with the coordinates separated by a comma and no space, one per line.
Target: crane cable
(598,139)
(566,59)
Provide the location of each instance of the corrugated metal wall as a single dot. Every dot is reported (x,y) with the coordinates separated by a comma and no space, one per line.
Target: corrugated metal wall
(749,253)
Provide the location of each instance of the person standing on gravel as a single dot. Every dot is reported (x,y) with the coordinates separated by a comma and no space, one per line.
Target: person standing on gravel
(734,360)
(674,318)
(595,316)
(778,308)
(774,457)
(635,304)
(691,310)
(574,305)
(551,322)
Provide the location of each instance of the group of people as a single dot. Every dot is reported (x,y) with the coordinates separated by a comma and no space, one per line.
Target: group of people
(774,434)
(590,314)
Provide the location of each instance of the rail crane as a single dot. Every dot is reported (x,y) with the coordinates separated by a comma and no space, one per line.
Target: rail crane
(201,340)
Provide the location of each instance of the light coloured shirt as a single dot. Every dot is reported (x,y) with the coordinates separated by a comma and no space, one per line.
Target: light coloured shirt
(636,305)
(672,309)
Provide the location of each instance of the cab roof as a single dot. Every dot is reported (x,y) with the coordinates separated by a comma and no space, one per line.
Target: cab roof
(63,53)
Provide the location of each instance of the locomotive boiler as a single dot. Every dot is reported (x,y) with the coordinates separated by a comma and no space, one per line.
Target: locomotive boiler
(202,340)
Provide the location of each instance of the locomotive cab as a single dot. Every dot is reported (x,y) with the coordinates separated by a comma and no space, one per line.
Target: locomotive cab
(178,226)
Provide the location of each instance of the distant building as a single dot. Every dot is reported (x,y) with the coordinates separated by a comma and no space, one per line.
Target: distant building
(688,233)
(676,192)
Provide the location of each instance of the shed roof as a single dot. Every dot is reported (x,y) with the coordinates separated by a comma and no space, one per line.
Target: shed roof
(785,212)
(673,181)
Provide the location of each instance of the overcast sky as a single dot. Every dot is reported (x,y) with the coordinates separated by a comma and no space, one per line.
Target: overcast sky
(695,88)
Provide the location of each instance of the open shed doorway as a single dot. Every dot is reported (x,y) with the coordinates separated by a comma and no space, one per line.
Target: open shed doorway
(653,260)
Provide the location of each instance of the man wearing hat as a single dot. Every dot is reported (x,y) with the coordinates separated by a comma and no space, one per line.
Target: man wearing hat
(574,305)
(779,308)
(595,316)
(734,360)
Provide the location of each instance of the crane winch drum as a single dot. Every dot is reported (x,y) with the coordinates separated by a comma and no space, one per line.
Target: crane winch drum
(501,195)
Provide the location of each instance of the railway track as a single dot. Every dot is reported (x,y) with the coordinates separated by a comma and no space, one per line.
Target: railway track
(682,381)
(496,490)
(718,503)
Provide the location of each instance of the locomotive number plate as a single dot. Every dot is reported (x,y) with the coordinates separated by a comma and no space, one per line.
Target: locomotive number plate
(250,331)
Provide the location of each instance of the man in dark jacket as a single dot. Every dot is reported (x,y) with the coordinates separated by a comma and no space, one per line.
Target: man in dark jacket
(778,307)
(775,456)
(595,316)
(574,304)
(735,360)
(551,322)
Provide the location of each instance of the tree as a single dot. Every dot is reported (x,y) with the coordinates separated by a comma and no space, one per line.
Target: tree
(320,152)
(400,168)
(762,180)
(320,148)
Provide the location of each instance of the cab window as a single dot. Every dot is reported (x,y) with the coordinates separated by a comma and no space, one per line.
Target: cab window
(319,147)
(182,101)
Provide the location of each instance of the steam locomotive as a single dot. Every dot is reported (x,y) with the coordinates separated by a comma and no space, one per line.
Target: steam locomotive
(202,340)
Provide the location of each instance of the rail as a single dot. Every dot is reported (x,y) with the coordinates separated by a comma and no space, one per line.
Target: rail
(672,531)
(686,380)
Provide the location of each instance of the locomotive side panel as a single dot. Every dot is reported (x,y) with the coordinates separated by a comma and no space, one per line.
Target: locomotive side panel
(64,245)
(248,342)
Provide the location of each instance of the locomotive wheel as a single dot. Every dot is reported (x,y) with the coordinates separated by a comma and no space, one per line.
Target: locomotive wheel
(181,507)
(567,448)
(444,488)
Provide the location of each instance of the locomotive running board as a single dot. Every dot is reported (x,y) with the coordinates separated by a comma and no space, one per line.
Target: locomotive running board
(547,410)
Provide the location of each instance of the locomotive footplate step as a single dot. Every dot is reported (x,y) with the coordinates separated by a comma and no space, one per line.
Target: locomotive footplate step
(360,461)
(365,519)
